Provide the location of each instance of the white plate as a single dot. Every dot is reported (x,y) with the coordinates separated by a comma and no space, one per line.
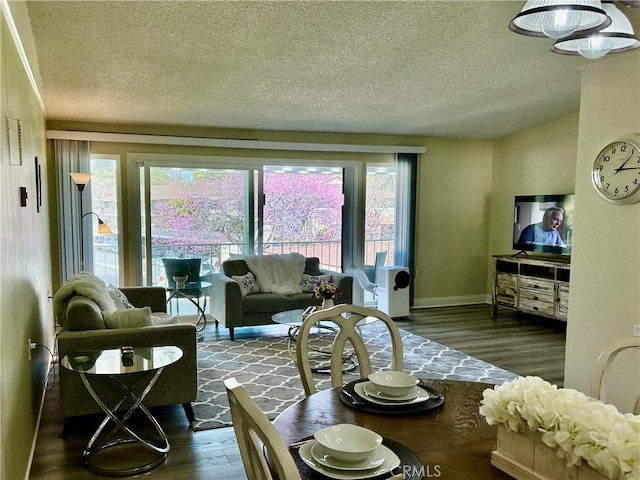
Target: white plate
(319,453)
(391,461)
(363,391)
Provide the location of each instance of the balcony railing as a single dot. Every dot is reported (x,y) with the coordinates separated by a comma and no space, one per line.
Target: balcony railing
(212,255)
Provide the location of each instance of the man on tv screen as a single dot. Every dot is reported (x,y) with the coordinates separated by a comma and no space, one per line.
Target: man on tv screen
(546,231)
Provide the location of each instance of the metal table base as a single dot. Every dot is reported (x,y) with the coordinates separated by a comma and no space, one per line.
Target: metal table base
(100,440)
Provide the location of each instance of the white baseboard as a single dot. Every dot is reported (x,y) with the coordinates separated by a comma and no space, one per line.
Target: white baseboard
(450,301)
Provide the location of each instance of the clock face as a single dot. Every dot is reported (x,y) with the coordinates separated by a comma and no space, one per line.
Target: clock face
(616,171)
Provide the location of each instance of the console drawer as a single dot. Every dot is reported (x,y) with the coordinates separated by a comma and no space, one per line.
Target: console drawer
(536,306)
(537,295)
(538,284)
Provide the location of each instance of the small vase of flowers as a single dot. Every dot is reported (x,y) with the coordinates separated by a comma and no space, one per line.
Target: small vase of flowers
(326,291)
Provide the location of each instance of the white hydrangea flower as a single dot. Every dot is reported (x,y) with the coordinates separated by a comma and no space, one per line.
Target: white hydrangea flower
(579,427)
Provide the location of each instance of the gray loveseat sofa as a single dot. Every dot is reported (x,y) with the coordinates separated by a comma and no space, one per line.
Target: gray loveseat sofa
(178,382)
(230,308)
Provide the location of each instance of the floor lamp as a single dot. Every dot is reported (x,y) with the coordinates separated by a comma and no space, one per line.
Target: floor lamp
(81,180)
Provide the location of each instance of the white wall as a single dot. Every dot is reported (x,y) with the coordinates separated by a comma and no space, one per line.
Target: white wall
(604,302)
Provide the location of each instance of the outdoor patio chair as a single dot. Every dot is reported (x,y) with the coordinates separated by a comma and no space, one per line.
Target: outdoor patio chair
(372,270)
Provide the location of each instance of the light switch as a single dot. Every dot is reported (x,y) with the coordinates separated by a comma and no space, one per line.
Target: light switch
(23,196)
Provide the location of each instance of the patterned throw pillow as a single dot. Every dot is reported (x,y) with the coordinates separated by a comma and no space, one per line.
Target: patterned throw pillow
(248,283)
(119,298)
(310,282)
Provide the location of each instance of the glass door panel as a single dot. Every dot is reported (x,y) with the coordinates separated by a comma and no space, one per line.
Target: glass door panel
(104,208)
(193,213)
(302,213)
(380,205)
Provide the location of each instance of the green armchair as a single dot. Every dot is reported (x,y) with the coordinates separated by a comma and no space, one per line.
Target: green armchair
(178,382)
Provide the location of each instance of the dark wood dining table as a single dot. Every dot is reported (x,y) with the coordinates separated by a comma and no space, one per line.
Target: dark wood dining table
(453,442)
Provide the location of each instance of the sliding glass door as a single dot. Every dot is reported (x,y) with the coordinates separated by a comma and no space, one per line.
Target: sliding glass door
(215,209)
(380,216)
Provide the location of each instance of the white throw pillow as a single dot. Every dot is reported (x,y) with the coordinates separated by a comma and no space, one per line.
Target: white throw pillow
(119,298)
(161,318)
(248,283)
(310,282)
(128,318)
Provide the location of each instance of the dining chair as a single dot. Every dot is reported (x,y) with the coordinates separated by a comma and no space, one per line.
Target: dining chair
(264,454)
(346,318)
(604,362)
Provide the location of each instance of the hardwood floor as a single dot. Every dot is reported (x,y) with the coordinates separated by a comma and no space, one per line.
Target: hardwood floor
(523,345)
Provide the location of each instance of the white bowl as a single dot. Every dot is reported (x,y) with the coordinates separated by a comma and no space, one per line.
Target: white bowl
(394,384)
(348,443)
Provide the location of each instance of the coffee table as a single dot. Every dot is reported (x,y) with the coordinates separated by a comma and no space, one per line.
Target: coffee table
(116,364)
(294,319)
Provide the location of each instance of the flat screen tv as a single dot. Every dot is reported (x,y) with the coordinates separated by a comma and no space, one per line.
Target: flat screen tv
(543,223)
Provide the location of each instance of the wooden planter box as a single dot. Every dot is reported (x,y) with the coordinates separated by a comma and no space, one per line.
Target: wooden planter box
(525,457)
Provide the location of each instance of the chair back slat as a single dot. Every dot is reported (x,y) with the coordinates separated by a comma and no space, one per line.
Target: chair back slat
(346,318)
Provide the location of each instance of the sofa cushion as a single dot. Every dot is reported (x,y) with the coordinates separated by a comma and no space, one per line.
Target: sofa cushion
(248,283)
(235,267)
(303,300)
(310,282)
(163,318)
(128,318)
(312,266)
(266,303)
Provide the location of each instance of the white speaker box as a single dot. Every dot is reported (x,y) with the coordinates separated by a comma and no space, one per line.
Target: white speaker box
(393,291)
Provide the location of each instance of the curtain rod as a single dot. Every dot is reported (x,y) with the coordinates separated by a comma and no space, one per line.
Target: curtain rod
(228,142)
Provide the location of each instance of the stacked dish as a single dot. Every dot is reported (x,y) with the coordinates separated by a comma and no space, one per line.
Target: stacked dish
(391,393)
(391,388)
(348,452)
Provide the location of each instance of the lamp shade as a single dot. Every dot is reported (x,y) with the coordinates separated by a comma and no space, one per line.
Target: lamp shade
(103,228)
(617,37)
(559,18)
(80,178)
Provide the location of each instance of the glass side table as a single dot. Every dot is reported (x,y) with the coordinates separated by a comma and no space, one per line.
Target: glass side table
(115,364)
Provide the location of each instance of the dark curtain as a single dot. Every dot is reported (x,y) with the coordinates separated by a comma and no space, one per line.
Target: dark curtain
(406,192)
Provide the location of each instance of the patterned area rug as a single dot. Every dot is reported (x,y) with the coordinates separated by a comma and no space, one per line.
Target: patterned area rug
(265,368)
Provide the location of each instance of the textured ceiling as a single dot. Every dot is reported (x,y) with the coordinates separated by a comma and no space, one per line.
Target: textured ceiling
(428,68)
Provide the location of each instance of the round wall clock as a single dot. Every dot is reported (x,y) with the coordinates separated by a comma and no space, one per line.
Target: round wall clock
(616,171)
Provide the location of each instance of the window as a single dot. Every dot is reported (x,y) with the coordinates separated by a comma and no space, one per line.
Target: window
(104,207)
(215,208)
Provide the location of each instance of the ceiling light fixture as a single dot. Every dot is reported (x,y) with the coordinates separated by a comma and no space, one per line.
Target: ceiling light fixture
(617,37)
(559,18)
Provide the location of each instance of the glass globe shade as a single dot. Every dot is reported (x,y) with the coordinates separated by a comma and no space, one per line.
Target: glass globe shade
(560,23)
(595,47)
